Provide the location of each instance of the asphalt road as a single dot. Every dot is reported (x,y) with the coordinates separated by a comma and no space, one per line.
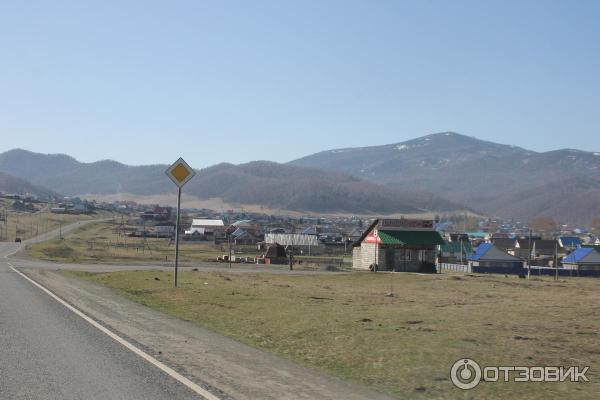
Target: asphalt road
(48,352)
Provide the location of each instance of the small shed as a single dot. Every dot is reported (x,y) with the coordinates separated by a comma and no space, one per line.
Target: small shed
(275,254)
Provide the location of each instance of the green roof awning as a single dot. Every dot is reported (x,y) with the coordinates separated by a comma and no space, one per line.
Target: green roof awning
(411,238)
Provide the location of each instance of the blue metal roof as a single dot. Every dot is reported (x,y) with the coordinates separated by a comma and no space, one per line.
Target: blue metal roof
(578,255)
(480,251)
(570,241)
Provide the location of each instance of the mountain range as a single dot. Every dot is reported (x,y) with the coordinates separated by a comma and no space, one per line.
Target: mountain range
(12,184)
(440,172)
(276,186)
(496,179)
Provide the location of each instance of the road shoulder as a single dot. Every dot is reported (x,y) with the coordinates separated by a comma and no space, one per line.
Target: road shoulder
(240,371)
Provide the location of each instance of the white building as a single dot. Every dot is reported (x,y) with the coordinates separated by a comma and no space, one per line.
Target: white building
(205,226)
(292,239)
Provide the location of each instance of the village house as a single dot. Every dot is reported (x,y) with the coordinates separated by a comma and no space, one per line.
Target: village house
(164,230)
(542,251)
(569,242)
(455,252)
(583,259)
(354,235)
(207,229)
(488,258)
(511,246)
(397,245)
(244,237)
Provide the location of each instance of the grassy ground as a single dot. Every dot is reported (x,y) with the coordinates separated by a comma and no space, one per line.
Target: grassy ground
(105,242)
(25,225)
(398,333)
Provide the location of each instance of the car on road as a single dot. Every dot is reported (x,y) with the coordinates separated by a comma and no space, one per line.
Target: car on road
(17,240)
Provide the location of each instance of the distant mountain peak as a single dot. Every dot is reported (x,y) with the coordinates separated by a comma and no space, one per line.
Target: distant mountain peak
(24,152)
(469,170)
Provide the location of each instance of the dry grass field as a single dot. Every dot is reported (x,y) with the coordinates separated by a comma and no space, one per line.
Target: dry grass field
(103,243)
(398,333)
(25,225)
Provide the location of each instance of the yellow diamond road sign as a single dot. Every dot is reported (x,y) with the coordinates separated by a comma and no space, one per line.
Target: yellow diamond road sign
(180,172)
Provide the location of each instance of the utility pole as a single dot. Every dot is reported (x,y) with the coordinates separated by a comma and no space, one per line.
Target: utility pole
(229,242)
(143,236)
(375,244)
(292,249)
(291,245)
(555,260)
(3,219)
(529,256)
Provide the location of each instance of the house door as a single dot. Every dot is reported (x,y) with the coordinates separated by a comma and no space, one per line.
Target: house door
(389,259)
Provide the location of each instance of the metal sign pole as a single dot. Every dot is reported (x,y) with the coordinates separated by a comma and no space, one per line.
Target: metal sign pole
(180,173)
(177,233)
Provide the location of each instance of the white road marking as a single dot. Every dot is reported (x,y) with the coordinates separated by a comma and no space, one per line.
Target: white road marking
(169,371)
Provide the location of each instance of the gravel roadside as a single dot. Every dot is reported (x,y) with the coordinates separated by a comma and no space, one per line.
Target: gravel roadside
(233,369)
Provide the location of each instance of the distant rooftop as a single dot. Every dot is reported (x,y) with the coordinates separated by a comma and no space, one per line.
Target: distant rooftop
(207,222)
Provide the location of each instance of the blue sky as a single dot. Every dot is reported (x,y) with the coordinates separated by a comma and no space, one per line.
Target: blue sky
(146,82)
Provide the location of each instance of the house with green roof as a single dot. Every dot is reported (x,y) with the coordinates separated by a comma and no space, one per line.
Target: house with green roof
(397,245)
